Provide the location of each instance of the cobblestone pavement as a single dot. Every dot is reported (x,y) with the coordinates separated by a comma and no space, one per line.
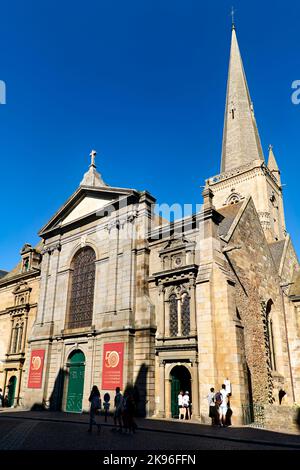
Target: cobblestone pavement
(61,431)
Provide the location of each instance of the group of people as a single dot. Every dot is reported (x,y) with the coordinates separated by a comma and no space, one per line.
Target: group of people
(219,406)
(184,411)
(124,410)
(4,402)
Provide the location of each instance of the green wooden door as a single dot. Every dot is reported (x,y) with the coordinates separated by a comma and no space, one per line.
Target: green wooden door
(175,389)
(76,382)
(11,391)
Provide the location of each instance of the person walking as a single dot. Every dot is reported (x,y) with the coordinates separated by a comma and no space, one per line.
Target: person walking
(186,405)
(119,403)
(106,405)
(95,408)
(181,409)
(212,406)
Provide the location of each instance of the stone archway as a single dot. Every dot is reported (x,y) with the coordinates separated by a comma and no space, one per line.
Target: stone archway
(11,391)
(180,379)
(76,369)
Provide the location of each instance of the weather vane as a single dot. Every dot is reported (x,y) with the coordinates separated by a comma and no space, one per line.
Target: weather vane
(232,15)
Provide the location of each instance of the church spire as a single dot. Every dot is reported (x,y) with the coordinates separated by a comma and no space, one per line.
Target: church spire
(241,142)
(272,165)
(92,177)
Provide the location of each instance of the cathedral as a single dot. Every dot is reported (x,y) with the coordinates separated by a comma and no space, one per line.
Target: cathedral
(115,295)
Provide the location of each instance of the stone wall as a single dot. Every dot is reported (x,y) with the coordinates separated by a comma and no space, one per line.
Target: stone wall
(257,283)
(282,418)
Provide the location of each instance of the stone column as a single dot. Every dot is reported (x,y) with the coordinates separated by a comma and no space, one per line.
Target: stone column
(167,397)
(113,230)
(24,339)
(162,411)
(43,286)
(52,283)
(195,390)
(193,307)
(11,337)
(161,312)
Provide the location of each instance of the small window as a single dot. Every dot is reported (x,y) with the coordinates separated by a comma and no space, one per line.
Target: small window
(185,315)
(173,305)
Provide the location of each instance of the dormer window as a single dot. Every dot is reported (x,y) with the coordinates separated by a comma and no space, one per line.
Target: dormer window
(30,258)
(26,265)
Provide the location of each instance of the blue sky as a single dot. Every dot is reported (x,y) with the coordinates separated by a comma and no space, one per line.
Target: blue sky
(142,82)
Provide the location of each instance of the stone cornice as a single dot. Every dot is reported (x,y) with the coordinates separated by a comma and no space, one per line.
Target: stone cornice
(176,274)
(184,225)
(242,170)
(33,273)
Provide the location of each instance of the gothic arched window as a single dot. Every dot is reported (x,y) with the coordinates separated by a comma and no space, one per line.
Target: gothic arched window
(20,338)
(17,338)
(82,289)
(185,315)
(14,339)
(173,315)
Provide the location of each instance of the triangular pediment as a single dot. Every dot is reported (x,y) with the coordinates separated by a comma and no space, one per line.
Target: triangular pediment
(83,204)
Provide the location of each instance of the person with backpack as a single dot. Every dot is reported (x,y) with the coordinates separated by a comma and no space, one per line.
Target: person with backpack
(95,408)
(212,407)
(221,400)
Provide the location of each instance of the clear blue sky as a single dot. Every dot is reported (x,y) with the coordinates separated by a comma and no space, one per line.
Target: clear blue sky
(144,83)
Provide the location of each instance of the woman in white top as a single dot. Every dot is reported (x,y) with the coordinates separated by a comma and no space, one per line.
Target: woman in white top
(186,405)
(181,409)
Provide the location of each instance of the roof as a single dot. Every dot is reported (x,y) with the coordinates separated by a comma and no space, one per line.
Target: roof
(229,213)
(2,273)
(276,249)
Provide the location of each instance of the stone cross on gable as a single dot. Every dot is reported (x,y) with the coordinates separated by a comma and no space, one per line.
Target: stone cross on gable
(93,155)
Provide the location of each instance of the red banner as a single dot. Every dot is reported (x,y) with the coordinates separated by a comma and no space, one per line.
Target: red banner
(112,370)
(36,368)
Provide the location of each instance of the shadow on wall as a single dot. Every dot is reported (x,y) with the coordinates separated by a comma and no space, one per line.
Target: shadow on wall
(139,391)
(298,419)
(55,401)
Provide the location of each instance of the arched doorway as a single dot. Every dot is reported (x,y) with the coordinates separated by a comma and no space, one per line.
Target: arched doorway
(11,391)
(180,380)
(76,365)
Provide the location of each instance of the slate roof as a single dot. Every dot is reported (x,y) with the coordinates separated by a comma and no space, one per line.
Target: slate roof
(295,288)
(276,249)
(229,213)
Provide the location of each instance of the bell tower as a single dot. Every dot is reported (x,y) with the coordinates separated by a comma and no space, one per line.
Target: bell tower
(244,171)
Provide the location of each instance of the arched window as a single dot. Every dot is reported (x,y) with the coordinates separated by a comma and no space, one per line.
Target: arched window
(269,324)
(20,338)
(185,315)
(82,289)
(14,339)
(173,315)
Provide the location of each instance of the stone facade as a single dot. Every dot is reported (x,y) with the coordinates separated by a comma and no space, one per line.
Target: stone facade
(192,303)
